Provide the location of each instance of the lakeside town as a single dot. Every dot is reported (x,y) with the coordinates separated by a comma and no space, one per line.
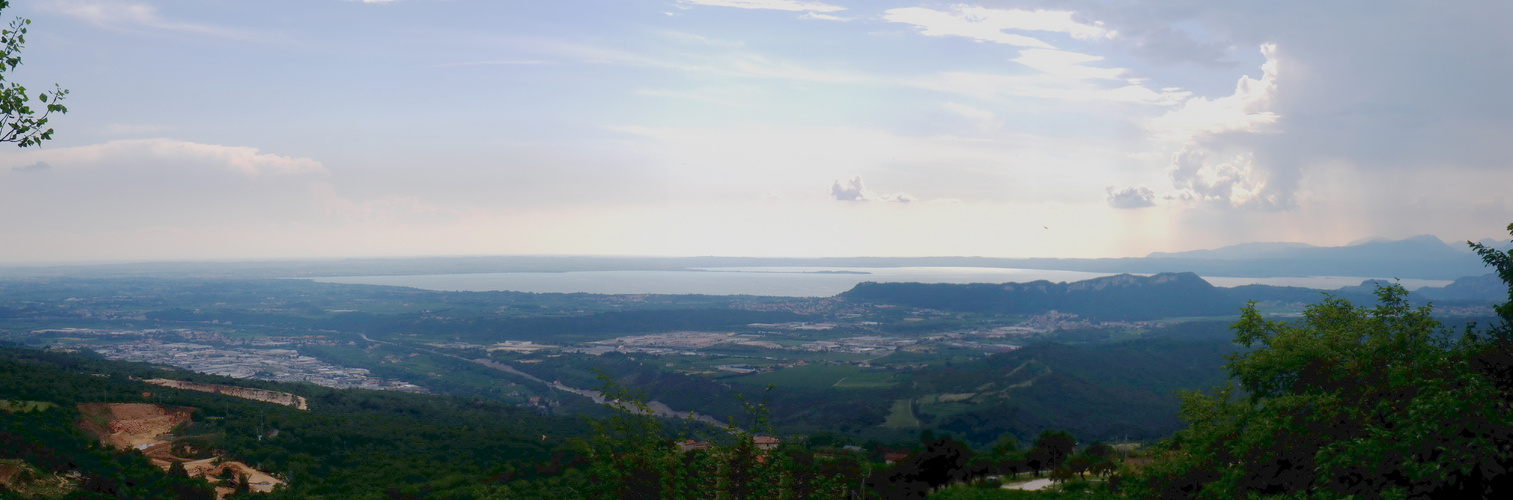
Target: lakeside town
(270,359)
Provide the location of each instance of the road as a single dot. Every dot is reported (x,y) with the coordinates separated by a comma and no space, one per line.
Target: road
(656,408)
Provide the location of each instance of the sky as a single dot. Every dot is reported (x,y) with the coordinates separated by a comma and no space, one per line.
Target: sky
(271,129)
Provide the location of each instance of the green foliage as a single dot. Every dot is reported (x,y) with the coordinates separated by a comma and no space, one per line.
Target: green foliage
(50,443)
(9,406)
(1349,401)
(1502,264)
(1005,448)
(631,456)
(943,462)
(1051,449)
(351,444)
(19,123)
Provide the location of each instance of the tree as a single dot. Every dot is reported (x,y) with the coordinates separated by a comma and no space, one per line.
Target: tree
(19,123)
(176,469)
(1005,448)
(1502,264)
(1493,352)
(1372,402)
(943,462)
(1051,449)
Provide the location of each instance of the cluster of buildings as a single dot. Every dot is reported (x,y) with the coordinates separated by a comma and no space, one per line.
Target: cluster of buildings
(279,365)
(1054,320)
(687,343)
(867,344)
(808,306)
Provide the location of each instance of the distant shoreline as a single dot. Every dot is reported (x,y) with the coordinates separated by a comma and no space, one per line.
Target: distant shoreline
(782,281)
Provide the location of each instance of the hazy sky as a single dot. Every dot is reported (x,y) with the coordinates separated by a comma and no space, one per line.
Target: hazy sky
(319,128)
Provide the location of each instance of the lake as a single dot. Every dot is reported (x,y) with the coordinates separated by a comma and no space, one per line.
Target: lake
(780,281)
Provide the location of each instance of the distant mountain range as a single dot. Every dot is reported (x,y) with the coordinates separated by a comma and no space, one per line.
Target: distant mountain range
(1420,257)
(1123,296)
(1129,297)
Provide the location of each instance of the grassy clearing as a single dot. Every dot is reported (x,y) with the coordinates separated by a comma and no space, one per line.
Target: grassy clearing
(877,381)
(945,410)
(820,377)
(901,416)
(10,406)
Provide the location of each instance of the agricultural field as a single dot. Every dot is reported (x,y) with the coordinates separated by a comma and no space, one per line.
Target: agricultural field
(821,376)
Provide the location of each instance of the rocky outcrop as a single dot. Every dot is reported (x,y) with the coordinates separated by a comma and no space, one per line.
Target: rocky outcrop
(263,395)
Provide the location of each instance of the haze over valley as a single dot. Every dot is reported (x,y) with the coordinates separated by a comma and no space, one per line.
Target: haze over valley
(755,249)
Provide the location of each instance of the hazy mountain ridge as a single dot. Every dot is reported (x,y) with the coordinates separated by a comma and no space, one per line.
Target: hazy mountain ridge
(1132,297)
(1417,247)
(1421,257)
(1121,296)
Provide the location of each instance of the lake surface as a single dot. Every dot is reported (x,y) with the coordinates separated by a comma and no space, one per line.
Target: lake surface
(779,281)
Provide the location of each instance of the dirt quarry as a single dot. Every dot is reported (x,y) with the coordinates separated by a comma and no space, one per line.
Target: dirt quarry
(149,427)
(257,481)
(131,425)
(263,395)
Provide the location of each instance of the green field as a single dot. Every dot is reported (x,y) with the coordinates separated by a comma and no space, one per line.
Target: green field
(10,406)
(820,377)
(901,416)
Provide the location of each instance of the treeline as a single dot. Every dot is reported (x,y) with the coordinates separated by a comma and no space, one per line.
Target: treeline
(1352,401)
(633,456)
(1113,391)
(57,460)
(793,409)
(351,444)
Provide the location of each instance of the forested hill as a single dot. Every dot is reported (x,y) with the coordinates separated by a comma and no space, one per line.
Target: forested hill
(1122,296)
(352,443)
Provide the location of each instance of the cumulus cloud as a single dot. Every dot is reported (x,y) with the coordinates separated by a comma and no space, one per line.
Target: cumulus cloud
(1339,89)
(853,190)
(1131,197)
(1218,141)
(1233,180)
(35,167)
(789,5)
(1246,110)
(994,25)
